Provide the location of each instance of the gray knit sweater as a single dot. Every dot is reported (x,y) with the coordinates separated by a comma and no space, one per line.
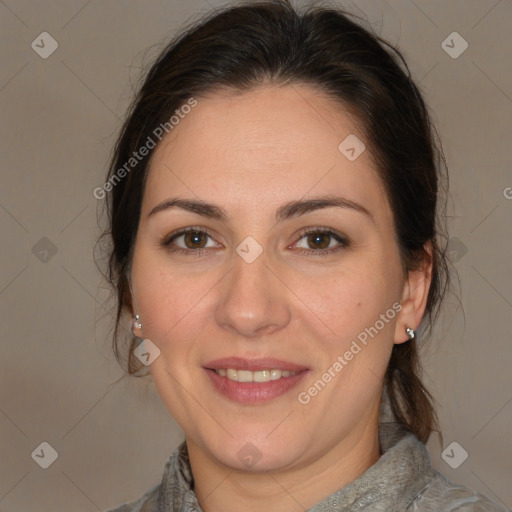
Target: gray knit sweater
(401,480)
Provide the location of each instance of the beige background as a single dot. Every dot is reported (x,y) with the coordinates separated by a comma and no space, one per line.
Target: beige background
(59,380)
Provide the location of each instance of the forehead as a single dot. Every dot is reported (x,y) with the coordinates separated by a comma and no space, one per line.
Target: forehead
(261,148)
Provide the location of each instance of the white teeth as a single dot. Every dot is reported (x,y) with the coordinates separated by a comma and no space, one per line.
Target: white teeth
(244,376)
(258,376)
(275,374)
(261,376)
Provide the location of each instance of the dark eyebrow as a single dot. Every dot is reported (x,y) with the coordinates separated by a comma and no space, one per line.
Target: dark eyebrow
(301,207)
(287,211)
(192,205)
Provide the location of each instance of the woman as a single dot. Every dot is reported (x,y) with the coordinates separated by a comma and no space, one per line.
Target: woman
(273,200)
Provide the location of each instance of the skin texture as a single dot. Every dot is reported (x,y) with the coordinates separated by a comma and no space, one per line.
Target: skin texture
(250,153)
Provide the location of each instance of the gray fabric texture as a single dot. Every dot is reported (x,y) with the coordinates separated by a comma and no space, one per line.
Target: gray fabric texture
(401,480)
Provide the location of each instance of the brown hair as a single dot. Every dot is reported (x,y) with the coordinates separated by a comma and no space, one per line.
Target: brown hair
(270,42)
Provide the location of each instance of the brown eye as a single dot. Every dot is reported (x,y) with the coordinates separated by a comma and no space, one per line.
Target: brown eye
(189,241)
(195,239)
(319,240)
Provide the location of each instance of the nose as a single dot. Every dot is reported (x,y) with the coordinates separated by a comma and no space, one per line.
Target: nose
(253,301)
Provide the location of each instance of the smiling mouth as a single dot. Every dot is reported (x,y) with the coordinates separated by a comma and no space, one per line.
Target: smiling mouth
(250,376)
(254,381)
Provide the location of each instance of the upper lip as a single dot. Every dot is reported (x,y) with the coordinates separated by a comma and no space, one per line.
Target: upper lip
(266,363)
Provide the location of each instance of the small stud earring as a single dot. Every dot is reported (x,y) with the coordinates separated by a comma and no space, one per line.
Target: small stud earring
(137,324)
(410,332)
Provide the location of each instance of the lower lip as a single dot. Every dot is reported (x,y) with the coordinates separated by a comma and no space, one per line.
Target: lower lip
(253,392)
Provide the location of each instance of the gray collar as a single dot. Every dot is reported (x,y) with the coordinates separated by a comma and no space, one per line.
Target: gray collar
(392,483)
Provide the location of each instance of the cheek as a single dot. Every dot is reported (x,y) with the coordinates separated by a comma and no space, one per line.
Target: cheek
(345,303)
(166,296)
(357,325)
(169,301)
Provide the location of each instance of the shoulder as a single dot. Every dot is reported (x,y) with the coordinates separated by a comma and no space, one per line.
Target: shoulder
(444,495)
(146,503)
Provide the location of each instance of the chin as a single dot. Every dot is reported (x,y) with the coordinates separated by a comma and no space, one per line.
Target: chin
(252,454)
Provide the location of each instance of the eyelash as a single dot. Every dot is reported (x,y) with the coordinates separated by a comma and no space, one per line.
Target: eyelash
(343,242)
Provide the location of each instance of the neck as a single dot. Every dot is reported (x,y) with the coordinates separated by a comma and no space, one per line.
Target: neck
(221,488)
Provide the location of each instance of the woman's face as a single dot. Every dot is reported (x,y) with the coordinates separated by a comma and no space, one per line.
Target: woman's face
(250,290)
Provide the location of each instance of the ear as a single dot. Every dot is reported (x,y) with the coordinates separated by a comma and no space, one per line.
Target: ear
(414,297)
(136,323)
